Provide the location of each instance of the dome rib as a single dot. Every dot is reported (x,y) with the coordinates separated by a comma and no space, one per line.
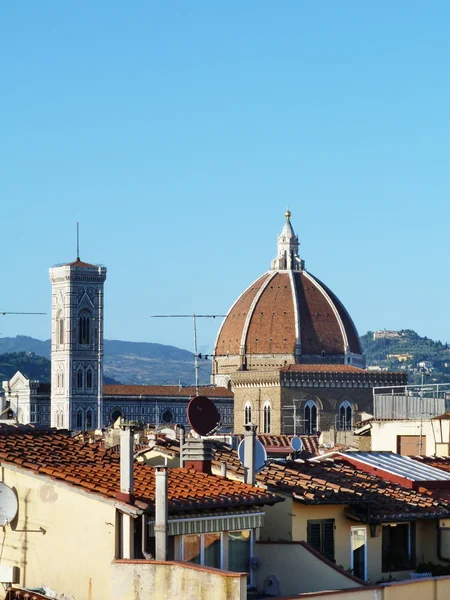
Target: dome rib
(317,283)
(251,310)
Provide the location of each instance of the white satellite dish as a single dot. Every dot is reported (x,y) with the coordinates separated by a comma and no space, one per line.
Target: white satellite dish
(260,454)
(8,504)
(296,443)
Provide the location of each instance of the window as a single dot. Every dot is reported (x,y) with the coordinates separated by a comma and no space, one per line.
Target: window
(321,537)
(60,328)
(89,379)
(345,416)
(266,424)
(167,416)
(80,379)
(247,413)
(239,550)
(33,413)
(398,547)
(84,328)
(116,414)
(89,419)
(311,413)
(80,419)
(203,549)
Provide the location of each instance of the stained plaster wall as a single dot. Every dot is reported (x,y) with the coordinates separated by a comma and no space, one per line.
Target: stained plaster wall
(73,551)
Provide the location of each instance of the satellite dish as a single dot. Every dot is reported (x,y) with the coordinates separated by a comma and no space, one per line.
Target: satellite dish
(203,415)
(296,443)
(260,454)
(8,505)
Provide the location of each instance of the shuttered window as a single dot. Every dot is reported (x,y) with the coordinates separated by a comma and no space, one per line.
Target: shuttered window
(321,537)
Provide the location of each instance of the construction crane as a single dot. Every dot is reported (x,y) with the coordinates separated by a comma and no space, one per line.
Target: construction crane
(194,318)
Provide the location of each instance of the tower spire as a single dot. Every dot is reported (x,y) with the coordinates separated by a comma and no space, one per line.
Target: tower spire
(287,249)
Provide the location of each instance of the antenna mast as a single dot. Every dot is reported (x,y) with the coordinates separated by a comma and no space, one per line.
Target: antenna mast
(194,318)
(78,240)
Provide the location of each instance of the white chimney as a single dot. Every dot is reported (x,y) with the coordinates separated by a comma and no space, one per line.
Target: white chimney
(126,464)
(161,513)
(249,453)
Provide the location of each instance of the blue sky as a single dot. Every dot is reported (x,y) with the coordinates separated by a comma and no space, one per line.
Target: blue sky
(178,132)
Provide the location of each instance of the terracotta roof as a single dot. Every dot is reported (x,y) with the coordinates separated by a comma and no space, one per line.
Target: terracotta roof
(369,498)
(264,316)
(89,466)
(321,368)
(165,390)
(80,264)
(282,444)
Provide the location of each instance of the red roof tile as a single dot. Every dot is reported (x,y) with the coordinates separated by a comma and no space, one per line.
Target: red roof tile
(91,467)
(165,390)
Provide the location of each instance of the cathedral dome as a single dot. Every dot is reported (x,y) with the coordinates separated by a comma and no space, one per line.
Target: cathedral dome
(286,316)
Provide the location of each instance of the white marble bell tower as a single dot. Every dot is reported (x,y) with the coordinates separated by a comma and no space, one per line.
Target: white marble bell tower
(77,345)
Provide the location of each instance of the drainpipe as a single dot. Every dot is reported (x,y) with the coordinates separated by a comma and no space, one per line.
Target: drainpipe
(161,513)
(181,437)
(249,453)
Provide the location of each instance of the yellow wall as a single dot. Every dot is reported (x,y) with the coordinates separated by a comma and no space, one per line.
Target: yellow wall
(74,553)
(437,588)
(283,560)
(143,580)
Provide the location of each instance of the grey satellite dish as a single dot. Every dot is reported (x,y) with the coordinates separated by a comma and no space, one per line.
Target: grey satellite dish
(296,443)
(260,454)
(8,505)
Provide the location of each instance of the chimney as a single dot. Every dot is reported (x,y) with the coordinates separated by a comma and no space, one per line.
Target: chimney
(223,468)
(126,493)
(181,438)
(198,454)
(249,453)
(161,513)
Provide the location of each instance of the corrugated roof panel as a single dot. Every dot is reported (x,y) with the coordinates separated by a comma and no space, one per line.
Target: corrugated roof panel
(399,465)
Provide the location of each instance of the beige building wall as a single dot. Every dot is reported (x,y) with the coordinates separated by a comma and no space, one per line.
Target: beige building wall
(283,559)
(61,537)
(435,434)
(143,580)
(257,397)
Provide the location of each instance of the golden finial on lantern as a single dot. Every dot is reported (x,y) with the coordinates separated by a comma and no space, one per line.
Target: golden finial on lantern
(287,214)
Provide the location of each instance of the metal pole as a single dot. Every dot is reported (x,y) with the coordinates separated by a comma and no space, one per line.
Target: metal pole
(100,366)
(195,355)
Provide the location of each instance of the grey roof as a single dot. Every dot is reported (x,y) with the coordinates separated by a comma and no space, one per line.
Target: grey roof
(396,464)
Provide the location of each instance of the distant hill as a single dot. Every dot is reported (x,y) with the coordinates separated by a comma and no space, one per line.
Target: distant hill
(124,362)
(404,352)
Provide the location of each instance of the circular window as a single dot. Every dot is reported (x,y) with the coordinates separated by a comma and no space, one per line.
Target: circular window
(116,414)
(167,416)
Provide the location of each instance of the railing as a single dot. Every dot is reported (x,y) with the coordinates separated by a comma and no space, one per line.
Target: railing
(411,402)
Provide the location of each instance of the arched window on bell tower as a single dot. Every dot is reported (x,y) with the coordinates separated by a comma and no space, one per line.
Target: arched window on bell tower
(247,413)
(345,416)
(84,328)
(79,379)
(60,328)
(89,379)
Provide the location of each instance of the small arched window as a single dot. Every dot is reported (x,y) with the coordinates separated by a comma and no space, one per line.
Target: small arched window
(89,419)
(116,414)
(267,416)
(89,379)
(80,379)
(84,328)
(345,416)
(311,414)
(247,413)
(60,328)
(80,419)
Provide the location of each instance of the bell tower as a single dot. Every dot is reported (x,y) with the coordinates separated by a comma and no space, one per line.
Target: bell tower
(77,345)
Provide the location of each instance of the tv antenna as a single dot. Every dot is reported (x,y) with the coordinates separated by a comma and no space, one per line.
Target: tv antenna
(5,312)
(194,318)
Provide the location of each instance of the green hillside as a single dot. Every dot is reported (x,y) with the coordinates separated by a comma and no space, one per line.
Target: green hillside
(404,352)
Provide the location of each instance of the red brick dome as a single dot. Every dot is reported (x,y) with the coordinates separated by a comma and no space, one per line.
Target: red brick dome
(286,316)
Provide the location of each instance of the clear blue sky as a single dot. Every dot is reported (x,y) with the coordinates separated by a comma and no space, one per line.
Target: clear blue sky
(177,133)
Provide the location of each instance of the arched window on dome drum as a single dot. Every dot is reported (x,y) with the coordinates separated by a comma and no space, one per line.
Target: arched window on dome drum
(345,416)
(310,416)
(266,424)
(80,379)
(247,413)
(89,419)
(84,328)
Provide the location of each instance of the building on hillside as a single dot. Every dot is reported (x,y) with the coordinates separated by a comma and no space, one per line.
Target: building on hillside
(87,521)
(291,353)
(386,334)
(30,402)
